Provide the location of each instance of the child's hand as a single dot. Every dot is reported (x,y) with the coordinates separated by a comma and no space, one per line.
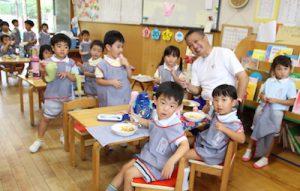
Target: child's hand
(168,169)
(124,61)
(43,66)
(62,75)
(117,83)
(271,100)
(219,126)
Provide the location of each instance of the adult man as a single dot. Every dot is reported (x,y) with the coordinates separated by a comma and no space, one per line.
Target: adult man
(213,67)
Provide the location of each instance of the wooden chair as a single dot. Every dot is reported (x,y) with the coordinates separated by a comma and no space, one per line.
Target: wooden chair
(8,68)
(174,183)
(80,131)
(223,171)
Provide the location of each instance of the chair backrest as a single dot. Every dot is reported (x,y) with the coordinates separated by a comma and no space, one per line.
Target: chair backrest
(80,103)
(230,155)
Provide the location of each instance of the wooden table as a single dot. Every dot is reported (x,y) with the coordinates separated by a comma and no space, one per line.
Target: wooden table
(14,63)
(34,84)
(87,117)
(144,84)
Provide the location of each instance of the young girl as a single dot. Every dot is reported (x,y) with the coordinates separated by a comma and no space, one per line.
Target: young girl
(45,52)
(44,36)
(168,70)
(211,144)
(278,93)
(89,67)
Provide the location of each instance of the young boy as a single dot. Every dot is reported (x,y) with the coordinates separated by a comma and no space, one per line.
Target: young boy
(60,89)
(5,29)
(167,141)
(112,73)
(44,36)
(16,34)
(84,46)
(29,36)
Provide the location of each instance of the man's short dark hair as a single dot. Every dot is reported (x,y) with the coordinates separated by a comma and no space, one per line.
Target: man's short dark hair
(14,21)
(199,31)
(97,43)
(4,36)
(29,22)
(60,37)
(113,36)
(171,90)
(84,32)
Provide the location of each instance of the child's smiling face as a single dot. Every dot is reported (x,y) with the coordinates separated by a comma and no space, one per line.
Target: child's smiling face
(96,52)
(115,50)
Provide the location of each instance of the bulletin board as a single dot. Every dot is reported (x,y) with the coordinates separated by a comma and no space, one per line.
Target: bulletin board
(109,11)
(181,13)
(232,34)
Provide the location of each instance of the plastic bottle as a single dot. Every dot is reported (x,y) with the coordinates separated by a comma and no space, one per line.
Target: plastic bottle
(35,66)
(143,106)
(21,51)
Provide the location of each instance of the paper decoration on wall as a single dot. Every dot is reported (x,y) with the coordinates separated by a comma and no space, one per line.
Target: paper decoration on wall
(146,32)
(87,9)
(168,8)
(155,34)
(167,35)
(179,36)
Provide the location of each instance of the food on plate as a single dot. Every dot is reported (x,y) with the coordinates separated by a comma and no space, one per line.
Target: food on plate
(127,128)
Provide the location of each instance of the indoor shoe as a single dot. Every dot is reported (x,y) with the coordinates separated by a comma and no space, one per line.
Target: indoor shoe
(247,155)
(262,162)
(36,146)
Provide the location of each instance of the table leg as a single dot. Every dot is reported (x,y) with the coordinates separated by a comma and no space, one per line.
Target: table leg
(133,84)
(21,94)
(96,166)
(31,106)
(40,98)
(142,86)
(72,142)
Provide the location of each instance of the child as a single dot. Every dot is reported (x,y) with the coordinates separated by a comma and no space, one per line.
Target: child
(6,47)
(168,70)
(44,36)
(84,46)
(60,89)
(29,36)
(112,72)
(167,141)
(278,93)
(16,34)
(89,67)
(45,52)
(211,144)
(5,29)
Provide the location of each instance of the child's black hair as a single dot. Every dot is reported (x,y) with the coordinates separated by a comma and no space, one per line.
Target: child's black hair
(29,22)
(44,24)
(282,60)
(14,21)
(171,50)
(4,23)
(43,48)
(112,36)
(199,31)
(225,90)
(171,90)
(97,43)
(60,37)
(4,36)
(84,32)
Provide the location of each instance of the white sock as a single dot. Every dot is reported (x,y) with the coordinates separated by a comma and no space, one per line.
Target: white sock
(185,183)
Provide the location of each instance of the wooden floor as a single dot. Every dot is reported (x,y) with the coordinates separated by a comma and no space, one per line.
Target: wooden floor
(49,169)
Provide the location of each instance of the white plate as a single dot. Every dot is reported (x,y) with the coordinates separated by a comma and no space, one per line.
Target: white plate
(190,103)
(194,116)
(118,129)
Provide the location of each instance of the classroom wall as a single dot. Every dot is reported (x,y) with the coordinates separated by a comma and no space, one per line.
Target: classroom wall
(143,54)
(243,16)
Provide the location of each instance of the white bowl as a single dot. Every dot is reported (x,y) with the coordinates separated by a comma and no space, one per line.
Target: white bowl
(120,129)
(190,103)
(194,116)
